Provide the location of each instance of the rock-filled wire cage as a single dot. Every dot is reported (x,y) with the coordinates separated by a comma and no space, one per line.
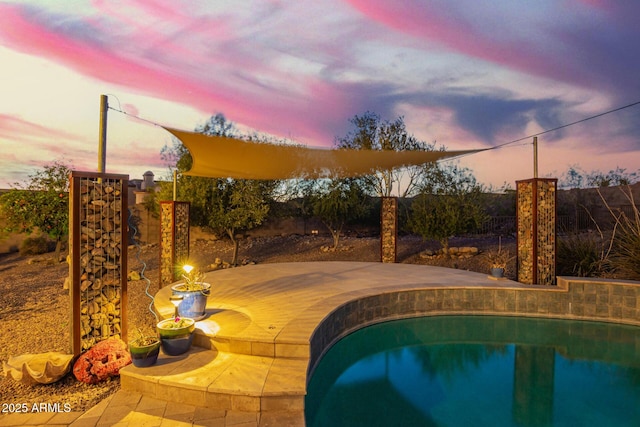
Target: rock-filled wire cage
(98,258)
(174,239)
(389,229)
(536,231)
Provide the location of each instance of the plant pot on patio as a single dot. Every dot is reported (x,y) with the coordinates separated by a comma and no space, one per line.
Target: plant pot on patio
(144,351)
(176,335)
(497,261)
(194,299)
(497,272)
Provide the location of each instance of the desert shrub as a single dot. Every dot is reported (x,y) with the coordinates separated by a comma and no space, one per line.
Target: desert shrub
(35,245)
(625,254)
(625,258)
(582,255)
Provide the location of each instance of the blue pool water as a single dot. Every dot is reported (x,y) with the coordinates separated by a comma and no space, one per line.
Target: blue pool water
(479,371)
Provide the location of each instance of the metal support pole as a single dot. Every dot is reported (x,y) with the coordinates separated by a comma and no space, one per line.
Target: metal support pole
(535,156)
(102,146)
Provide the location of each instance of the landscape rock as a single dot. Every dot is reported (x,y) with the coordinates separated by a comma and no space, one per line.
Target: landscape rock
(462,252)
(102,361)
(133,276)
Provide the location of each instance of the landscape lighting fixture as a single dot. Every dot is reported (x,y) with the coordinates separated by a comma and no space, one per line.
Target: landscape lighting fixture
(175,300)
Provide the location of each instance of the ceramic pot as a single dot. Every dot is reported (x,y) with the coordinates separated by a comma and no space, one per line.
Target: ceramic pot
(194,303)
(497,272)
(176,346)
(174,339)
(144,356)
(169,328)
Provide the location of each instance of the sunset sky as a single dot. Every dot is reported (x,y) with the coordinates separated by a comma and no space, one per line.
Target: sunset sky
(463,73)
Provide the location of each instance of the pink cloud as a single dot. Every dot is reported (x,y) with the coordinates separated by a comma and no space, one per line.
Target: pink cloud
(131,109)
(16,129)
(135,158)
(98,61)
(208,84)
(213,63)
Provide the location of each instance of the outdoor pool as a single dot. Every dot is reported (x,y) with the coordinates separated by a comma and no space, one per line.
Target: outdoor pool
(479,371)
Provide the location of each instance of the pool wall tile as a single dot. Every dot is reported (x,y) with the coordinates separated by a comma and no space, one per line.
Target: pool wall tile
(572,298)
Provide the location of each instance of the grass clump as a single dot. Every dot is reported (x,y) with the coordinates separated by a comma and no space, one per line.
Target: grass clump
(582,255)
(625,257)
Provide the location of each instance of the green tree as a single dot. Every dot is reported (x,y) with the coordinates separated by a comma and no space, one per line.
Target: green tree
(224,205)
(372,133)
(337,202)
(238,205)
(42,203)
(449,203)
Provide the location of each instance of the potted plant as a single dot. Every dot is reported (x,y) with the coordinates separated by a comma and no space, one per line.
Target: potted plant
(194,292)
(144,349)
(176,335)
(498,261)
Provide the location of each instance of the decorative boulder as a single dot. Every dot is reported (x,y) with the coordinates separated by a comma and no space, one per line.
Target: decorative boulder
(43,368)
(102,361)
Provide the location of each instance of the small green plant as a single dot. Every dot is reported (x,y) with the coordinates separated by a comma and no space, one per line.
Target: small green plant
(193,279)
(142,339)
(178,323)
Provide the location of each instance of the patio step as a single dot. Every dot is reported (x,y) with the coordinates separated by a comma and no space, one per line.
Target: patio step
(249,340)
(220,380)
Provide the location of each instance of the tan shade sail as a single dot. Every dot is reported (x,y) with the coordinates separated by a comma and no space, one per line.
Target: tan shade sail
(222,157)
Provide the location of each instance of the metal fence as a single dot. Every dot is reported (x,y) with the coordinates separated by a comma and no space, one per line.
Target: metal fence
(581,220)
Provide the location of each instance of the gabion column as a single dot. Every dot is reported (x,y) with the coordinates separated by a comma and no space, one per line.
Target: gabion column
(389,229)
(174,239)
(536,231)
(98,258)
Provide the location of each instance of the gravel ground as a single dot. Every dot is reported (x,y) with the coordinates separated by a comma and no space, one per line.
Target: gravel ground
(35,309)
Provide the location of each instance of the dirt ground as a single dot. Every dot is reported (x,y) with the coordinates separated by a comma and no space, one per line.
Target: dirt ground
(35,309)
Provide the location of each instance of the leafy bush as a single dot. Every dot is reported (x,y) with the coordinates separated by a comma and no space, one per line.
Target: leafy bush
(35,246)
(450,205)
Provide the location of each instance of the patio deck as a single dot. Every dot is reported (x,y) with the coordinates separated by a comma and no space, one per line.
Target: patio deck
(253,351)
